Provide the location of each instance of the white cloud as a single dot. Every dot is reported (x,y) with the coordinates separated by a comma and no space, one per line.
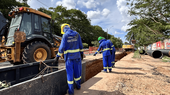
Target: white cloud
(103,1)
(121,4)
(70,4)
(105,12)
(123,9)
(80,3)
(118,32)
(125,27)
(88,4)
(93,14)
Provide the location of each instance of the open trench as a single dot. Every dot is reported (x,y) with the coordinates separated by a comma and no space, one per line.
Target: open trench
(55,80)
(93,67)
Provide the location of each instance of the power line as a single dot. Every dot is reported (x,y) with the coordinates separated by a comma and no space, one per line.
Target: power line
(42,3)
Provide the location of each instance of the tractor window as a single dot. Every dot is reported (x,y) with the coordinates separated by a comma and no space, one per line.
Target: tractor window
(36,23)
(45,25)
(26,24)
(15,23)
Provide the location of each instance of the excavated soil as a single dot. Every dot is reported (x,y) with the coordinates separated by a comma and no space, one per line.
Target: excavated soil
(144,76)
(95,66)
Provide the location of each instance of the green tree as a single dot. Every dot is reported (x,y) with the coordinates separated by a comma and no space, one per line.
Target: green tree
(126,43)
(7,5)
(152,22)
(117,42)
(77,20)
(85,45)
(95,43)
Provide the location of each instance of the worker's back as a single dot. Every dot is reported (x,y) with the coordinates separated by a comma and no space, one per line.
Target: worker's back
(105,45)
(112,46)
(72,45)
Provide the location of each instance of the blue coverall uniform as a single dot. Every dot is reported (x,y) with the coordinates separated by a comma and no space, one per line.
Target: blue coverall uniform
(113,50)
(71,46)
(105,46)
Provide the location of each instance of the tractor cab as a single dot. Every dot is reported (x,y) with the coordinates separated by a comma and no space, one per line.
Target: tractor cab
(29,37)
(31,23)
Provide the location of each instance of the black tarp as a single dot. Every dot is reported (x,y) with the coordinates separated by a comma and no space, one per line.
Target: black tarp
(3,26)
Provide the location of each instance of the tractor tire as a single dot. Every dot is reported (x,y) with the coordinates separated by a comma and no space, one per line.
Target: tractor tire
(35,52)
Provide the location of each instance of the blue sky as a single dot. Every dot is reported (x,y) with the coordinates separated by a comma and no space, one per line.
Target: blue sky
(111,15)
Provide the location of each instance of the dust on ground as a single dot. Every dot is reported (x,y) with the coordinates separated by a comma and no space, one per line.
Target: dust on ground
(144,76)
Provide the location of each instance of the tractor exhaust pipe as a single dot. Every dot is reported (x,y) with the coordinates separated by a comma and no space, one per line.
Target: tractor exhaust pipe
(155,53)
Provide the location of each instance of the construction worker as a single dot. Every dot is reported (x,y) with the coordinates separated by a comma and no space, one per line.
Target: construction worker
(71,49)
(113,50)
(105,46)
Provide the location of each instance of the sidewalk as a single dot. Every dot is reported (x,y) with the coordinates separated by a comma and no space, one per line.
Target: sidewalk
(99,84)
(145,76)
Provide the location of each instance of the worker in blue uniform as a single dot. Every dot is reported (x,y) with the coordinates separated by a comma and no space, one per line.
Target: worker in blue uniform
(105,46)
(72,49)
(113,50)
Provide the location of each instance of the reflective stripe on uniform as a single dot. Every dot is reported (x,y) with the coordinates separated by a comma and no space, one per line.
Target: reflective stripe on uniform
(109,67)
(105,67)
(113,62)
(106,49)
(81,50)
(70,82)
(77,79)
(112,46)
(71,51)
(59,54)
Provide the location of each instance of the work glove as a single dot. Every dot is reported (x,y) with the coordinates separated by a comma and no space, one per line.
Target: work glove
(94,54)
(100,52)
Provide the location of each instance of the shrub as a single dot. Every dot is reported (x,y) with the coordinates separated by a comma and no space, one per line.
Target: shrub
(136,54)
(85,45)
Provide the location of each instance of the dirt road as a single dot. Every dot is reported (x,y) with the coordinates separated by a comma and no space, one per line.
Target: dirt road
(144,76)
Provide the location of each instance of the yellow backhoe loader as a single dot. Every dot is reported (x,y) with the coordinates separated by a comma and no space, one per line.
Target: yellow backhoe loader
(29,38)
(129,47)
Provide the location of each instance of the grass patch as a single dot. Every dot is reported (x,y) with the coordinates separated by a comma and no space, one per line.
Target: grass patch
(140,51)
(136,54)
(166,59)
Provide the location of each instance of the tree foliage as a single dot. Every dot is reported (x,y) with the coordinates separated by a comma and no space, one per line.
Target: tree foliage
(95,43)
(7,5)
(152,22)
(76,18)
(78,22)
(117,42)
